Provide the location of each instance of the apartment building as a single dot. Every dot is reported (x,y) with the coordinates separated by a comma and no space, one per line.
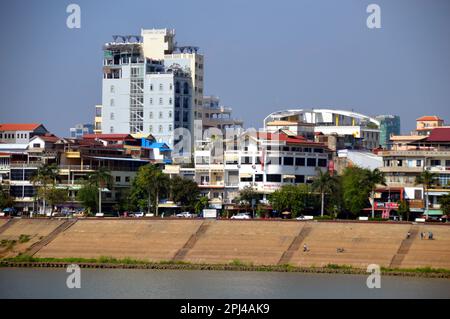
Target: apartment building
(261,160)
(363,130)
(408,158)
(214,115)
(12,133)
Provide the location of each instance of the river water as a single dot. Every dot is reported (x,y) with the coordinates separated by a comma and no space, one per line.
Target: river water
(127,283)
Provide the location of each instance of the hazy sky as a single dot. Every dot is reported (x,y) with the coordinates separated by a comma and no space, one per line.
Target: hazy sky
(260,56)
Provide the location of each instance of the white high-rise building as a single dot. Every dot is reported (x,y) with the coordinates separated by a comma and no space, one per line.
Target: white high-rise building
(150,86)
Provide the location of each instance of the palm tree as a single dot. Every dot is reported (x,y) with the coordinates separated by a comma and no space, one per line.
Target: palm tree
(427,179)
(323,183)
(153,182)
(45,175)
(374,178)
(101,178)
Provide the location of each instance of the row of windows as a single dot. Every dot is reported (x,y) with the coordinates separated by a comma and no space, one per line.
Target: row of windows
(286,161)
(276,178)
(12,135)
(160,128)
(119,179)
(160,102)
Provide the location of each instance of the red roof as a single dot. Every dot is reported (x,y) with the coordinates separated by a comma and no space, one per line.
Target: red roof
(439,134)
(429,118)
(298,139)
(108,137)
(19,127)
(49,138)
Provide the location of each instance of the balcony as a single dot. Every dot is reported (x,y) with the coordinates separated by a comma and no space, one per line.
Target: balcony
(438,152)
(400,169)
(71,154)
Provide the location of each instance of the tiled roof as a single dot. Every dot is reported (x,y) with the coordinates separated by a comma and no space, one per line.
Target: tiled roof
(429,118)
(439,134)
(108,136)
(19,127)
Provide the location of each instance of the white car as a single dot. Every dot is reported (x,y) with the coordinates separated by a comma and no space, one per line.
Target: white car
(241,216)
(138,214)
(185,215)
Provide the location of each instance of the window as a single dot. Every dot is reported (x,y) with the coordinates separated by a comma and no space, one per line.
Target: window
(318,150)
(151,87)
(111,129)
(186,88)
(311,162)
(127,179)
(170,127)
(289,161)
(36,145)
(111,116)
(322,162)
(151,115)
(399,163)
(274,160)
(307,150)
(418,163)
(111,89)
(275,178)
(246,160)
(170,114)
(299,161)
(150,128)
(117,179)
(299,179)
(160,87)
(247,179)
(258,177)
(177,87)
(160,101)
(111,102)
(170,101)
(160,128)
(160,114)
(435,162)
(151,101)
(170,86)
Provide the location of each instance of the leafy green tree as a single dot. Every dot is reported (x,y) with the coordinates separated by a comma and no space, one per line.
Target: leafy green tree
(426,179)
(324,183)
(355,189)
(87,195)
(201,204)
(5,199)
(444,201)
(403,209)
(100,178)
(150,182)
(374,178)
(57,196)
(184,191)
(44,179)
(293,198)
(247,196)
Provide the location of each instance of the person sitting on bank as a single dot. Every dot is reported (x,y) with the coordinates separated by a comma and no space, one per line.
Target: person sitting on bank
(305,248)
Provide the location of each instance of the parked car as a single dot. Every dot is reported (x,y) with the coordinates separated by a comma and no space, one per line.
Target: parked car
(241,216)
(185,215)
(137,214)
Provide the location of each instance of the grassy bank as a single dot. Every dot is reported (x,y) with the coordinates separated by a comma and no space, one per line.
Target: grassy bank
(235,265)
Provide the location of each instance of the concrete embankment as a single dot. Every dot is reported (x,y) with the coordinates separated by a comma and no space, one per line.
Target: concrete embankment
(221,242)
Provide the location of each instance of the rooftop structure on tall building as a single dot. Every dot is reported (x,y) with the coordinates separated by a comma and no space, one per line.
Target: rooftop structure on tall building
(364,129)
(425,124)
(150,86)
(213,114)
(81,129)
